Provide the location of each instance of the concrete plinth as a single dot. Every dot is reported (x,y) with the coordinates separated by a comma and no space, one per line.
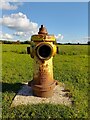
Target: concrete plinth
(25,96)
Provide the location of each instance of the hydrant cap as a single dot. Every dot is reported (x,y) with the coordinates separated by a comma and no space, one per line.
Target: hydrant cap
(43,36)
(42,30)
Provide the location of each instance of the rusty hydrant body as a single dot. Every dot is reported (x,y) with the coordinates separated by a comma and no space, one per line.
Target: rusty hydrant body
(42,51)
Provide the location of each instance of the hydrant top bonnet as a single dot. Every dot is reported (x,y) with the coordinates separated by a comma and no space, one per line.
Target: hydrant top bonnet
(43,36)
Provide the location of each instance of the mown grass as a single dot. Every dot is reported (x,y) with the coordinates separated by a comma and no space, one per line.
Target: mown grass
(70,67)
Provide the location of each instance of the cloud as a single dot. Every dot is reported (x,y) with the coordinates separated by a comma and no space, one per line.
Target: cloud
(20,34)
(19,22)
(9,5)
(21,26)
(5,36)
(8,0)
(59,37)
(12,0)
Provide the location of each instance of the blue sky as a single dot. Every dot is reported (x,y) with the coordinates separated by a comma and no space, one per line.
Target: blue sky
(68,21)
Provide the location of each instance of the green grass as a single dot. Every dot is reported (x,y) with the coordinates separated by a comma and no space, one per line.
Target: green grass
(70,67)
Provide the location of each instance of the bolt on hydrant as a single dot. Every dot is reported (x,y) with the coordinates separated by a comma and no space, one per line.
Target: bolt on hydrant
(42,51)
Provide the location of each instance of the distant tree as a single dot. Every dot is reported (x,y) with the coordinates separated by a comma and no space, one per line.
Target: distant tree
(18,42)
(59,43)
(69,43)
(26,42)
(88,42)
(7,42)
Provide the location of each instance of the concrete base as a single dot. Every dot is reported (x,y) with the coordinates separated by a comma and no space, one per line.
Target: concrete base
(25,96)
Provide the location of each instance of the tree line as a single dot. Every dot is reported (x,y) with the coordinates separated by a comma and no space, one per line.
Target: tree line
(28,42)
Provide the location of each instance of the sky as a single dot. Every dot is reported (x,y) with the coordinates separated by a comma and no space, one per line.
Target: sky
(68,21)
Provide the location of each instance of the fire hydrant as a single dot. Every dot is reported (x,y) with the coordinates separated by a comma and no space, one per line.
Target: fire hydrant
(42,51)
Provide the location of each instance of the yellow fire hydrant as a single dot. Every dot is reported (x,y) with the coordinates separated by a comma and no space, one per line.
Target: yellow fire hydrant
(42,51)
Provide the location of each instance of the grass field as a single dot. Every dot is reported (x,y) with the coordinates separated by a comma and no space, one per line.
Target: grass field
(70,67)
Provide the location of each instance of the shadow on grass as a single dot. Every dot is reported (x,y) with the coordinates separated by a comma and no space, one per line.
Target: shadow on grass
(10,87)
